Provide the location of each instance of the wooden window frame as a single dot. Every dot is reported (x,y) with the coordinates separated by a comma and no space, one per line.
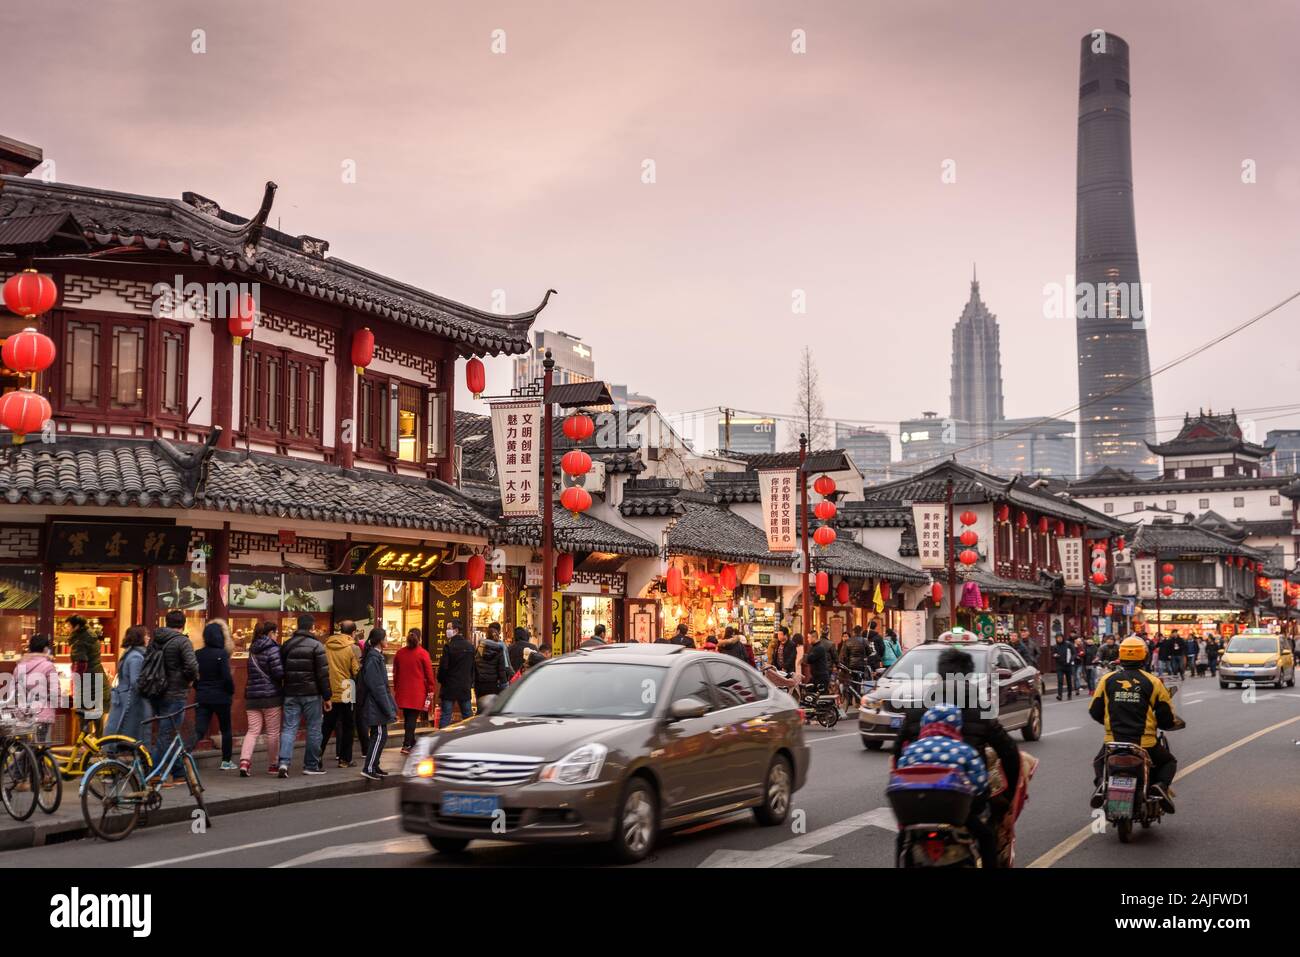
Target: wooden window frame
(257,362)
(102,410)
(379,428)
(168,328)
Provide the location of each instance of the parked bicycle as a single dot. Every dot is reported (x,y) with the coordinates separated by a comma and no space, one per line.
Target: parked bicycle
(128,791)
(90,748)
(20,776)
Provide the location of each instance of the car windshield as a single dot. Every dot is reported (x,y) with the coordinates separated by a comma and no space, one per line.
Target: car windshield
(926,659)
(584,689)
(1252,646)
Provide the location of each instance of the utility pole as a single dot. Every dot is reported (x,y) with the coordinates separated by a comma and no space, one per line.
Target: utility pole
(807,559)
(951,560)
(726,414)
(548,526)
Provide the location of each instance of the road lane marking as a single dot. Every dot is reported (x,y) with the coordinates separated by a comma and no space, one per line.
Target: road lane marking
(1077,838)
(1059,731)
(843,734)
(269,842)
(394,845)
(793,852)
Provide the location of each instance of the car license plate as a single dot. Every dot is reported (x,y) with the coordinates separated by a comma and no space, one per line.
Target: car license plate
(470,805)
(896,721)
(1124,784)
(1245,672)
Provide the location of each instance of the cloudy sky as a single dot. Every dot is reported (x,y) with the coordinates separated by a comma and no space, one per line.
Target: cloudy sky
(774,172)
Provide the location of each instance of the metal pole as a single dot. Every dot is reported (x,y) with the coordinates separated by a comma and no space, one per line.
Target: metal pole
(807,559)
(952,563)
(1087,595)
(1160,590)
(548,545)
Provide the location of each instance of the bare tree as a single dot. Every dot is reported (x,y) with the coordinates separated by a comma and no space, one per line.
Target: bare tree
(809,409)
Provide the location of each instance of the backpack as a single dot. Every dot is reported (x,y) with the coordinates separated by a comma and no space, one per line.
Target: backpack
(152,680)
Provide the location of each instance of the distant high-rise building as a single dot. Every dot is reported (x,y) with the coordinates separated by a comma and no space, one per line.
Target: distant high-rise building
(748,435)
(1286,451)
(1034,447)
(977,373)
(868,449)
(573,359)
(931,439)
(1110,315)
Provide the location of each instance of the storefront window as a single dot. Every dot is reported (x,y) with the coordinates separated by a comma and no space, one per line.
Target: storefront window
(106,600)
(489,605)
(179,589)
(403,610)
(20,595)
(596,610)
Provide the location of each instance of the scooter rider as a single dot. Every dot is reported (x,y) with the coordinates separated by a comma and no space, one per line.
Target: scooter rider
(1133,704)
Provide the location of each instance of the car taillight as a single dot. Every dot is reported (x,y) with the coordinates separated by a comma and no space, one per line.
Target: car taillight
(801,716)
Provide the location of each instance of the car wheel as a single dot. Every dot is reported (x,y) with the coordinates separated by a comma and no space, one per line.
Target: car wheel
(1291,683)
(778,789)
(1033,728)
(1223,684)
(636,824)
(448,845)
(872,745)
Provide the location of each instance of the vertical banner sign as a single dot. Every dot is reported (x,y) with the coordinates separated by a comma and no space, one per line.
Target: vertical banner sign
(779,489)
(1277,592)
(1144,569)
(1071,560)
(931,529)
(517,437)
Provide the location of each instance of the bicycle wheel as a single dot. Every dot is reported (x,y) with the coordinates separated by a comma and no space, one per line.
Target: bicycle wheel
(51,793)
(125,748)
(114,812)
(196,787)
(20,780)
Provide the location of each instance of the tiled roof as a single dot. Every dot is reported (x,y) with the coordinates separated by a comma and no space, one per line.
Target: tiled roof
(997,585)
(846,557)
(1158,486)
(1209,434)
(828,460)
(72,472)
(1168,539)
(734,486)
(197,228)
(586,533)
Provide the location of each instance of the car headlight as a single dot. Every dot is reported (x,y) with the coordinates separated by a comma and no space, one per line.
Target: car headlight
(578,767)
(420,762)
(1271,663)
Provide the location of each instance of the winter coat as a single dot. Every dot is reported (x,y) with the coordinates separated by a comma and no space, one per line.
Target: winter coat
(123,694)
(517,653)
(854,652)
(893,651)
(216,684)
(456,670)
(1063,653)
(344,666)
(34,675)
(84,649)
(491,672)
(412,678)
(378,707)
(265,687)
(306,669)
(179,663)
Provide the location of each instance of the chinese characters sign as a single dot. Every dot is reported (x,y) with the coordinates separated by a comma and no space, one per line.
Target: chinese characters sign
(448,602)
(1071,561)
(1277,592)
(117,544)
(1144,569)
(779,489)
(517,437)
(402,561)
(930,523)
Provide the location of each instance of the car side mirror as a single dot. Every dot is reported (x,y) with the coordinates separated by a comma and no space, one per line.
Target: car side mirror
(685,708)
(1004,673)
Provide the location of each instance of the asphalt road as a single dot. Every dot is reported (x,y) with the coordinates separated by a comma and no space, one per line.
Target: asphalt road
(1238,776)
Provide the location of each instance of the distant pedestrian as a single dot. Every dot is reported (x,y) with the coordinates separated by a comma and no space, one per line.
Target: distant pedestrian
(491,669)
(732,643)
(893,649)
(216,689)
(180,669)
(1063,656)
(682,636)
(1212,655)
(263,698)
(307,695)
(340,720)
(520,645)
(413,685)
(127,711)
(83,648)
(36,686)
(597,638)
(876,645)
(378,708)
(455,675)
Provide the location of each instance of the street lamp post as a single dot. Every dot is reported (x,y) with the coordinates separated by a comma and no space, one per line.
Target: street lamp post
(803,508)
(548,545)
(950,558)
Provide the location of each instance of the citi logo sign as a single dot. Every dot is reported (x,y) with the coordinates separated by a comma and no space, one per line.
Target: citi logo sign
(76,910)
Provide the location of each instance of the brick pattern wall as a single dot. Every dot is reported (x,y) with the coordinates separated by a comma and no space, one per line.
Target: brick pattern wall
(20,541)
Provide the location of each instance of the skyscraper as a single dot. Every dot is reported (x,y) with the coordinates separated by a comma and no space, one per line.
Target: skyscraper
(1109,310)
(977,373)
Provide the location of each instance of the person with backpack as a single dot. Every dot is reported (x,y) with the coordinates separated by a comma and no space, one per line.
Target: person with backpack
(413,685)
(378,709)
(263,698)
(306,695)
(519,648)
(491,670)
(215,690)
(168,670)
(344,668)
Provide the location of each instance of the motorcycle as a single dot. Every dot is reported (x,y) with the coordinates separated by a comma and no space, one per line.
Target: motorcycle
(932,805)
(1126,775)
(816,705)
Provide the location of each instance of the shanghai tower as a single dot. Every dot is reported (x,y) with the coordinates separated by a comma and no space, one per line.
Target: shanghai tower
(1115,419)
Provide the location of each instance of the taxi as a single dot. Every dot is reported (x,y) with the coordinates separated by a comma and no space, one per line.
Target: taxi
(1257,655)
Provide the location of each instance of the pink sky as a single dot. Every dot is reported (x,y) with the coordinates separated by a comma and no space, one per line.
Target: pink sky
(775,172)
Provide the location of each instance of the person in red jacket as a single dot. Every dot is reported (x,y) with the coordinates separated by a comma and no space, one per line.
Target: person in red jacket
(412,685)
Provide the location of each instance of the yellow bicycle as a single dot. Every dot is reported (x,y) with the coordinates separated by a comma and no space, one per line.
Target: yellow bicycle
(90,749)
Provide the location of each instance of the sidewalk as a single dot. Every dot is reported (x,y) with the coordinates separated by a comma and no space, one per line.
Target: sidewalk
(225,792)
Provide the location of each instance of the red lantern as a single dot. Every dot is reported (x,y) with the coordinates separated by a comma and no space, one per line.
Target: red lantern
(242,319)
(579,428)
(842,593)
(727,578)
(1167,568)
(707,581)
(1004,513)
(575,499)
(23,412)
(823,584)
(1166,591)
(563,568)
(968,557)
(475,570)
(936,593)
(1022,520)
(1110,609)
(824,535)
(30,293)
(1167,580)
(884,591)
(28,351)
(824,486)
(576,462)
(1099,578)
(1042,525)
(824,510)
(1119,544)
(968,518)
(1060,527)
(363,349)
(673,581)
(475,376)
(970,538)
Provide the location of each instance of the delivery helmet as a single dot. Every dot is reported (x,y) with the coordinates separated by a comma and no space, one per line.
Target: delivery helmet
(1132,649)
